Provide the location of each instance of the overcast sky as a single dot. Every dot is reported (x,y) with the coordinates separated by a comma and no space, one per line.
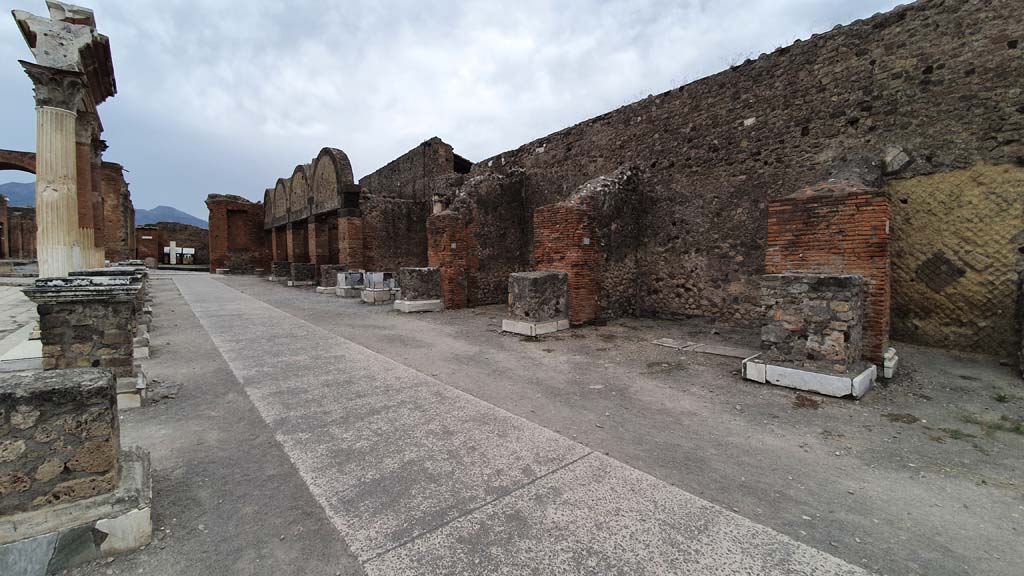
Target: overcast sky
(227,96)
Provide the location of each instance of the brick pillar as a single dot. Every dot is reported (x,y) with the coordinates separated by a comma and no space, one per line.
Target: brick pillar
(448,249)
(350,240)
(837,228)
(87,321)
(318,235)
(565,240)
(298,250)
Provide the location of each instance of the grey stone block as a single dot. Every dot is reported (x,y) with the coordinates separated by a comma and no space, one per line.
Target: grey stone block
(420,283)
(538,296)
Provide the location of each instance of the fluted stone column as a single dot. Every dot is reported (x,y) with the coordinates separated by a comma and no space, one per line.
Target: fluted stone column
(57,94)
(86,127)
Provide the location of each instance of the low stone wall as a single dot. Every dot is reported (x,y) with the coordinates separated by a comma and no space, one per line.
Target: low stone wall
(420,283)
(329,274)
(538,296)
(58,437)
(813,320)
(303,272)
(88,321)
(281,269)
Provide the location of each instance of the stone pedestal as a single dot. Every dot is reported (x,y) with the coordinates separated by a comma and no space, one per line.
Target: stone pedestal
(280,271)
(379,288)
(538,303)
(302,274)
(70,494)
(88,321)
(812,335)
(350,284)
(421,290)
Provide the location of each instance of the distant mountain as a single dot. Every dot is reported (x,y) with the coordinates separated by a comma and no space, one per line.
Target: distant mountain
(19,193)
(166,214)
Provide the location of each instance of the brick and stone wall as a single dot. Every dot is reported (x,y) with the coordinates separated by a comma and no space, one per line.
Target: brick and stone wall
(837,228)
(59,438)
(956,241)
(412,176)
(715,151)
(813,320)
(236,237)
(565,240)
(302,272)
(420,283)
(394,232)
(118,213)
(281,269)
(538,296)
(451,250)
(147,245)
(492,233)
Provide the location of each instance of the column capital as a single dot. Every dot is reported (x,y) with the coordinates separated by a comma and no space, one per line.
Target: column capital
(99,146)
(54,87)
(87,127)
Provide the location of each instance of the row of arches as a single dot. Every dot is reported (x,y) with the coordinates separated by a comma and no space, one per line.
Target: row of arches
(324,185)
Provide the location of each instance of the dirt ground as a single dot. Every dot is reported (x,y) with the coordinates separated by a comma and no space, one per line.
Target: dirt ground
(921,476)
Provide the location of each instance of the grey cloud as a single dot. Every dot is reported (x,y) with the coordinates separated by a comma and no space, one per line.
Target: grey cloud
(226,97)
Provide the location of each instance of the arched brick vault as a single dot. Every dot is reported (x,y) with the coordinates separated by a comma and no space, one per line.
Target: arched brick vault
(331,171)
(268,207)
(298,194)
(16,160)
(281,201)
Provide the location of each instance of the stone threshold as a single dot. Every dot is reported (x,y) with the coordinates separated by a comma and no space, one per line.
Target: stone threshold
(408,306)
(839,386)
(533,328)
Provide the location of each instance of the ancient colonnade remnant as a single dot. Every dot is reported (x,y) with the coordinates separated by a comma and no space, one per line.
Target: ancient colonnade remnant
(72,75)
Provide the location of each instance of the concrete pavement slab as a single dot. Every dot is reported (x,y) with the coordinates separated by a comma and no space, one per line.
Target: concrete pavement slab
(602,517)
(388,452)
(421,478)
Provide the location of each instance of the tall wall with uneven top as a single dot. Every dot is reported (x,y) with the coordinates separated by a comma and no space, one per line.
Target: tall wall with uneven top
(412,174)
(237,240)
(938,78)
(118,213)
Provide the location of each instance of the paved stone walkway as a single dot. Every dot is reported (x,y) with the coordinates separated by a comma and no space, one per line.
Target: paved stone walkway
(420,478)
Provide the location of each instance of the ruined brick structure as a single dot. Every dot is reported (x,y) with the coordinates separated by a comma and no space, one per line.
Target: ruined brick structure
(688,232)
(837,228)
(150,241)
(105,204)
(236,237)
(118,213)
(714,152)
(319,215)
(17,232)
